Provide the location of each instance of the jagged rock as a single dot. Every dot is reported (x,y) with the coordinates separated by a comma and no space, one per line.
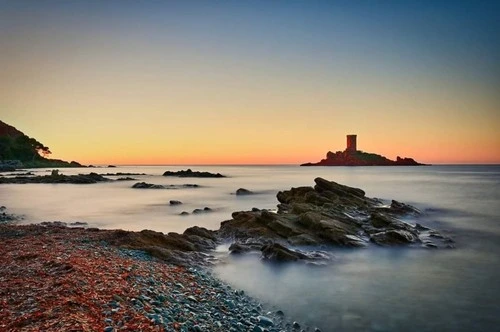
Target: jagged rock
(180,249)
(326,214)
(239,248)
(303,240)
(394,237)
(278,253)
(200,231)
(145,185)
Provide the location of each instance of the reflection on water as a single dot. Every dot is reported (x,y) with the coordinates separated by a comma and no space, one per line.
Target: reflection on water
(370,289)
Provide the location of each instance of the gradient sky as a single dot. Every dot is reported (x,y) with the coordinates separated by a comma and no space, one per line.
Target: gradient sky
(211,82)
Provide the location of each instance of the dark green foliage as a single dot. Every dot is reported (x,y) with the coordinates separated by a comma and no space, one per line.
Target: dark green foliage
(23,148)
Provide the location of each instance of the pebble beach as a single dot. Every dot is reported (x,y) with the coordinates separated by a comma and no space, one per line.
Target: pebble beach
(57,278)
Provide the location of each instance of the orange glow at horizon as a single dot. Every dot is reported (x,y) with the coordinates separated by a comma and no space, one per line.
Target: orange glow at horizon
(189,84)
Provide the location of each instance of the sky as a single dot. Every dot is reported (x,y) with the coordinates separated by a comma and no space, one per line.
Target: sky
(252,82)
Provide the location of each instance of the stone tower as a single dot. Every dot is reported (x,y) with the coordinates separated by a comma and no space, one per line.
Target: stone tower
(351,143)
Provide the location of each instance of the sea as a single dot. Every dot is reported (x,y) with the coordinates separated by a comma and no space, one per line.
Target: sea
(370,289)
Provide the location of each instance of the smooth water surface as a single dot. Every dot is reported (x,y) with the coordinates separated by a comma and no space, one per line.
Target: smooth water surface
(373,289)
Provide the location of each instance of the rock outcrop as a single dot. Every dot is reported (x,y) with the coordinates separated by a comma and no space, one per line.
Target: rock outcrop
(145,185)
(360,158)
(191,247)
(193,174)
(55,177)
(326,214)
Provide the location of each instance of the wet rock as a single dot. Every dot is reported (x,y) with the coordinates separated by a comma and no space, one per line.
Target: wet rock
(265,321)
(394,237)
(279,253)
(326,214)
(175,202)
(302,240)
(239,248)
(205,209)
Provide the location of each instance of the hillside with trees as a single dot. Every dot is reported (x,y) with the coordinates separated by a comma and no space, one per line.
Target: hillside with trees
(20,150)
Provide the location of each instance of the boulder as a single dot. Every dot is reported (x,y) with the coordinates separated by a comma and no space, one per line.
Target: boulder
(243,191)
(279,253)
(326,214)
(394,237)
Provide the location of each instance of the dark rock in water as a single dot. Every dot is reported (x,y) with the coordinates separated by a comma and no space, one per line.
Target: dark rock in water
(394,237)
(184,213)
(7,217)
(265,321)
(243,191)
(278,253)
(205,209)
(145,185)
(193,174)
(21,174)
(326,214)
(402,208)
(121,174)
(200,231)
(174,202)
(126,179)
(56,177)
(239,248)
(111,166)
(78,223)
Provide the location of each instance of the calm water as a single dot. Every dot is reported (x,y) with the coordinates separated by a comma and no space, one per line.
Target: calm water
(372,289)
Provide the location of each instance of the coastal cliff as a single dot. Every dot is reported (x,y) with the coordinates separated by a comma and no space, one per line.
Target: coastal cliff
(17,150)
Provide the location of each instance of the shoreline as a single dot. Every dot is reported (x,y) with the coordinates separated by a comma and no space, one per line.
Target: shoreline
(58,278)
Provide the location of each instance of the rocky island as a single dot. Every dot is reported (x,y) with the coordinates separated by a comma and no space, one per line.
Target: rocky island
(353,157)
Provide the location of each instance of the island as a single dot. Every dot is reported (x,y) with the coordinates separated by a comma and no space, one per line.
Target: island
(351,156)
